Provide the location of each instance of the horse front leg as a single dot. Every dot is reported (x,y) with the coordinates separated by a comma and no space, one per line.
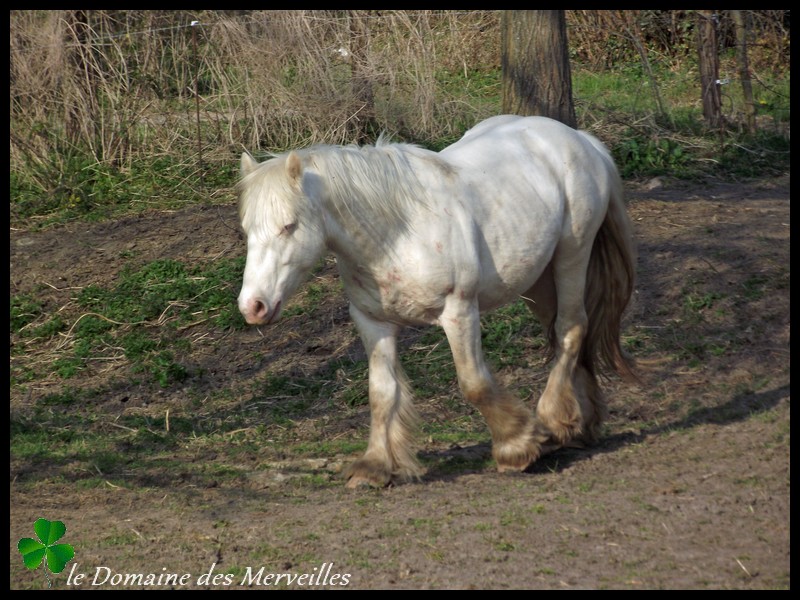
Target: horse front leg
(516,437)
(390,455)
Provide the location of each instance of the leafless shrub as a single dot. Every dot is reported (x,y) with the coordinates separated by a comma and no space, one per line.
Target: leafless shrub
(116,85)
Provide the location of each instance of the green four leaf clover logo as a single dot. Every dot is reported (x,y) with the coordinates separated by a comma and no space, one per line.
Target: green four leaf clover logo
(34,552)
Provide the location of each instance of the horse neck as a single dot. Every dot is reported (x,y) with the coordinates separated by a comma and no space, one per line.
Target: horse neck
(363,203)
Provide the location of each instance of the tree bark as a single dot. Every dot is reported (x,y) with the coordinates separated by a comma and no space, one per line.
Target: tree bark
(709,68)
(744,69)
(535,61)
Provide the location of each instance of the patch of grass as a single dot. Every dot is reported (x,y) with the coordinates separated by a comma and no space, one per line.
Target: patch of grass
(68,397)
(749,481)
(452,464)
(24,311)
(462,430)
(165,289)
(307,300)
(676,142)
(754,287)
(68,367)
(754,155)
(122,538)
(49,328)
(48,445)
(510,336)
(91,448)
(342,381)
(639,157)
(139,319)
(329,448)
(504,546)
(695,303)
(507,334)
(72,185)
(428,363)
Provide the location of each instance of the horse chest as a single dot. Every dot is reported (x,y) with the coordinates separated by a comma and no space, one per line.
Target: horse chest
(394,295)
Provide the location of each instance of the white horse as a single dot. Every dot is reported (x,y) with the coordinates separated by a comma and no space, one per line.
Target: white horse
(519,207)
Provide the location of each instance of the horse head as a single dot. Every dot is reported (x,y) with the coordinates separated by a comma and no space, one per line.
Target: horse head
(283,231)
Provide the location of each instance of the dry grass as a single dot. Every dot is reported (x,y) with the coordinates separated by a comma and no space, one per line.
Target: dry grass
(112,86)
(120,83)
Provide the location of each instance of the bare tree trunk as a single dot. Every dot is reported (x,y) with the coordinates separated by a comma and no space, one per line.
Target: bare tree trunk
(709,68)
(535,60)
(744,69)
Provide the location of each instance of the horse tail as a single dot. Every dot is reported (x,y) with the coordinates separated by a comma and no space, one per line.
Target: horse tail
(609,286)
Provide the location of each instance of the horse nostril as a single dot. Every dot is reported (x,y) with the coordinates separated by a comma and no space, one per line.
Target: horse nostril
(259,309)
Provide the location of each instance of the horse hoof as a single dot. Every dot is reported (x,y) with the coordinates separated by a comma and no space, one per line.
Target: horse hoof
(516,462)
(367,473)
(355,483)
(511,468)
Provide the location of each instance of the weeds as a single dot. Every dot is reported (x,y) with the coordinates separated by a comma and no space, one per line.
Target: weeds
(140,319)
(121,138)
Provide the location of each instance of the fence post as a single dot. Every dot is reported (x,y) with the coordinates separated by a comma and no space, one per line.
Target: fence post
(194,25)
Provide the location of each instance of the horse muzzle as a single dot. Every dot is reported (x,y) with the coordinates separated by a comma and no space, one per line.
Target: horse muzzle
(258,312)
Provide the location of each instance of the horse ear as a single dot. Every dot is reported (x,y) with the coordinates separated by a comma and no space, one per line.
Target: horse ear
(294,168)
(248,164)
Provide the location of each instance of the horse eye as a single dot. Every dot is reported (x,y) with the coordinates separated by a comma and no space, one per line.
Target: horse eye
(289,229)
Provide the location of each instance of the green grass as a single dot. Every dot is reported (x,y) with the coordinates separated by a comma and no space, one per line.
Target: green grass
(139,321)
(24,311)
(69,427)
(670,138)
(510,336)
(74,185)
(140,318)
(646,139)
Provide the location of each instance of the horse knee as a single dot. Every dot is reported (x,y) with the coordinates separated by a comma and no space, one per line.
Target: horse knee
(571,338)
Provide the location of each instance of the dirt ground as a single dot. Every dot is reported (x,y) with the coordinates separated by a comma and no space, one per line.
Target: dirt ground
(688,488)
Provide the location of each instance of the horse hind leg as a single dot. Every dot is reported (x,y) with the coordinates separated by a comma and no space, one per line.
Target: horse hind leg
(572,406)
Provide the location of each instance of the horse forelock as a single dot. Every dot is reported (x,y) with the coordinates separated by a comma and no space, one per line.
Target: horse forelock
(268,196)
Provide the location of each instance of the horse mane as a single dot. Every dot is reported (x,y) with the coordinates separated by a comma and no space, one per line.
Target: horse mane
(368,184)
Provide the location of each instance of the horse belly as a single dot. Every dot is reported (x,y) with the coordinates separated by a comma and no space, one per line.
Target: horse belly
(507,284)
(513,256)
